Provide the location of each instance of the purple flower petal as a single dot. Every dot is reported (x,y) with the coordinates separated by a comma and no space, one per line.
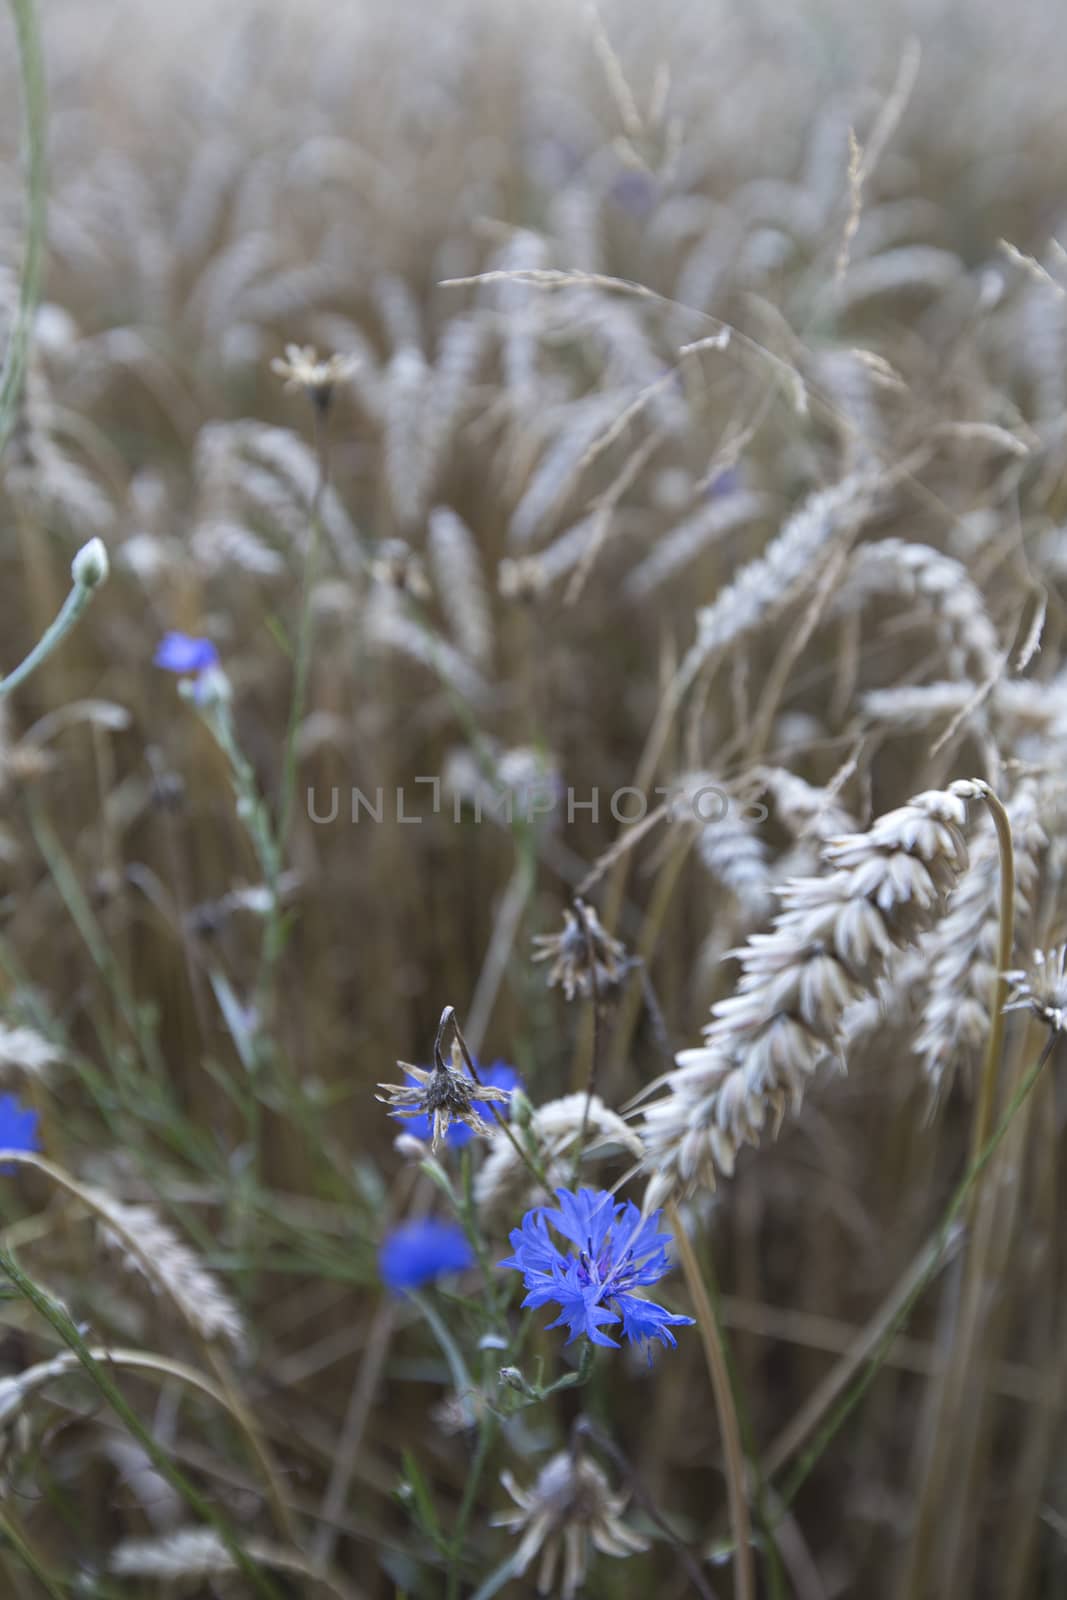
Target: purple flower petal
(18,1128)
(185,654)
(616,1252)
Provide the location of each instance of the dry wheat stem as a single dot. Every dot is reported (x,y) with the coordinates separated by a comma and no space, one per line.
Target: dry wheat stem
(729,1429)
(154,1266)
(984,1110)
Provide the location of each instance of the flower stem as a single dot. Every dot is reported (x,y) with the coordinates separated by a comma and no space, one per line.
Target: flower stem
(487,1430)
(72,608)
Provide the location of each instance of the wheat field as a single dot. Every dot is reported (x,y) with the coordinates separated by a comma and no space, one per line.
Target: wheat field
(533,549)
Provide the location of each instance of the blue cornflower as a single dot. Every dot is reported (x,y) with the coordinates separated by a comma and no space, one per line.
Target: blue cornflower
(498,1076)
(417,1252)
(617,1252)
(185,654)
(18,1127)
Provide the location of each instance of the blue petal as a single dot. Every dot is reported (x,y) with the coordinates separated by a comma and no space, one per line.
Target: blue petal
(644,1320)
(417,1252)
(533,1246)
(18,1127)
(584,1218)
(640,1235)
(184,653)
(618,1250)
(582,1316)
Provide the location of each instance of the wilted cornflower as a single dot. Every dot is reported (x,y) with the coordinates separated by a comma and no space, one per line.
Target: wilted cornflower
(584,951)
(302,368)
(18,1127)
(617,1252)
(442,1094)
(569,1508)
(460,1133)
(417,1252)
(1042,989)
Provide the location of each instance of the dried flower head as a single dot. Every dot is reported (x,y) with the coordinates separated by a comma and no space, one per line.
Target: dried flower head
(569,1508)
(301,368)
(522,578)
(1042,989)
(497,1076)
(586,960)
(399,567)
(446,1092)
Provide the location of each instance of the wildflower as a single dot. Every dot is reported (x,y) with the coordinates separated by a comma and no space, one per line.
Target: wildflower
(617,1252)
(417,1252)
(460,1133)
(185,654)
(585,958)
(301,368)
(569,1508)
(18,1127)
(442,1094)
(1042,989)
(198,659)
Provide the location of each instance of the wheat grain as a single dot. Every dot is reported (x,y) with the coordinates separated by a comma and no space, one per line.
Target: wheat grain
(150,1248)
(826,950)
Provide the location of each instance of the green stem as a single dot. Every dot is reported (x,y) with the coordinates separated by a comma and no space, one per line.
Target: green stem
(31,67)
(73,606)
(30,1559)
(487,1430)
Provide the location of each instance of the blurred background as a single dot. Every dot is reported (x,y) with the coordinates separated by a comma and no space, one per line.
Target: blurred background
(525,488)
